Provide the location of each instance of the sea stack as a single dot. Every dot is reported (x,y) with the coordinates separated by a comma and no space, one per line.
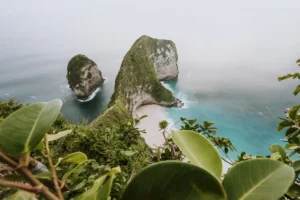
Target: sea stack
(83,76)
(163,54)
(137,82)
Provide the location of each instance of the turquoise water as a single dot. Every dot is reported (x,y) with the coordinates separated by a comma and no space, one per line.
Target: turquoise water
(247,117)
(42,77)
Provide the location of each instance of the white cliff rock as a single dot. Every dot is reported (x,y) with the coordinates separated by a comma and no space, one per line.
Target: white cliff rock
(165,58)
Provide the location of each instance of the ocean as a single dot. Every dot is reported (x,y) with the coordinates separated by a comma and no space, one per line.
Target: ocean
(244,113)
(229,58)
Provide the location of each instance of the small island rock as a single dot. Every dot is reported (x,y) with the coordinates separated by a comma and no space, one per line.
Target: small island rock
(83,76)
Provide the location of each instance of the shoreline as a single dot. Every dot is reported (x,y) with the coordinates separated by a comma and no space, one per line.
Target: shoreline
(155,113)
(153,136)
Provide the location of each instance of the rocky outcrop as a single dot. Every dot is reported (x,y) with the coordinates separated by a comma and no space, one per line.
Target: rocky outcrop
(136,84)
(163,54)
(83,76)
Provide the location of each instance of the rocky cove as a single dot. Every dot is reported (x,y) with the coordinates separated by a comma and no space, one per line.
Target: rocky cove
(148,62)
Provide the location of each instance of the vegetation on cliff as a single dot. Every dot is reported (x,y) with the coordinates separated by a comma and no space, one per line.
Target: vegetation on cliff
(136,84)
(74,68)
(83,76)
(105,147)
(261,177)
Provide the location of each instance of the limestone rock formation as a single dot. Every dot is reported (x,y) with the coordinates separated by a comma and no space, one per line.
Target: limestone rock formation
(83,76)
(136,84)
(163,54)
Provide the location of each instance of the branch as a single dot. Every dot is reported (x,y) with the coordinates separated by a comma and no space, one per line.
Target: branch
(231,162)
(28,175)
(174,125)
(226,161)
(28,188)
(288,197)
(53,172)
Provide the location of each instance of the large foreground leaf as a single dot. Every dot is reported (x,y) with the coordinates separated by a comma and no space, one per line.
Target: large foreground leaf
(258,179)
(199,150)
(101,187)
(173,180)
(24,129)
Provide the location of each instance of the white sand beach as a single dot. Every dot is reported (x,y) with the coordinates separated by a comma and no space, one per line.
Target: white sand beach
(155,113)
(154,137)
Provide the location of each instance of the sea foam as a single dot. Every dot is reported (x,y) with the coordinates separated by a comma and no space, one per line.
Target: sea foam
(91,96)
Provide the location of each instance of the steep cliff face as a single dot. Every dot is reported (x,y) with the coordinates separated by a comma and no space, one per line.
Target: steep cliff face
(136,84)
(164,57)
(83,76)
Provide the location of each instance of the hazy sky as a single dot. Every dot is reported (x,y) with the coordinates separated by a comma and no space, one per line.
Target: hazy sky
(259,31)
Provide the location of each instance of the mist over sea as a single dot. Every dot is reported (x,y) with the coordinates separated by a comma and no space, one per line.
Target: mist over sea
(230,55)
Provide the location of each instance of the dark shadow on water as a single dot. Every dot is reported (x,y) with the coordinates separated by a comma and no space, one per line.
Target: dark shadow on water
(78,112)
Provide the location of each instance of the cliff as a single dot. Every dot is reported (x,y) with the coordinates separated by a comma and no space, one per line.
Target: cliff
(137,84)
(83,76)
(163,54)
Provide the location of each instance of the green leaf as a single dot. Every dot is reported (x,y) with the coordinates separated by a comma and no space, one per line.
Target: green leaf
(1,120)
(294,112)
(23,130)
(284,124)
(297,90)
(294,191)
(44,176)
(90,194)
(199,150)
(172,180)
(128,153)
(275,156)
(290,131)
(191,121)
(142,117)
(296,166)
(14,178)
(104,191)
(68,173)
(77,157)
(22,195)
(52,137)
(182,119)
(292,146)
(277,148)
(208,124)
(101,187)
(41,146)
(258,179)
